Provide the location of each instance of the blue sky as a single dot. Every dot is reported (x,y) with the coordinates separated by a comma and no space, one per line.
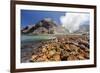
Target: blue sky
(34,16)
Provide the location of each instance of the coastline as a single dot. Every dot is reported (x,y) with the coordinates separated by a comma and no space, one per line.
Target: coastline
(34,49)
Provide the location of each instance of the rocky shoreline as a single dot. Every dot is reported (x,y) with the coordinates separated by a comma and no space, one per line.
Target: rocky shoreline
(62,48)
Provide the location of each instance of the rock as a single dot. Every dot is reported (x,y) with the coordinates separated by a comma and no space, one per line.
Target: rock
(72,57)
(87,55)
(74,53)
(87,50)
(80,57)
(44,57)
(67,47)
(73,47)
(34,56)
(44,49)
(56,57)
(49,47)
(51,53)
(40,30)
(40,59)
(63,50)
(86,43)
(64,54)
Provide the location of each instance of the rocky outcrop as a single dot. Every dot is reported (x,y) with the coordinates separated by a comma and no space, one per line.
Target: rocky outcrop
(46,26)
(63,48)
(40,30)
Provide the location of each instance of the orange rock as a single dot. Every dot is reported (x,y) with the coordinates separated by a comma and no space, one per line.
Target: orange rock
(44,57)
(67,47)
(73,47)
(56,57)
(40,59)
(72,57)
(34,56)
(81,57)
(87,56)
(52,52)
(64,48)
(44,49)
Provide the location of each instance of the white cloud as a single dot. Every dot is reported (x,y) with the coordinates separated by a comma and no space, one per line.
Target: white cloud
(72,21)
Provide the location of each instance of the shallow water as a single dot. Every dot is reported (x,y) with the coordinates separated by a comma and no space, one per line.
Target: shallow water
(30,43)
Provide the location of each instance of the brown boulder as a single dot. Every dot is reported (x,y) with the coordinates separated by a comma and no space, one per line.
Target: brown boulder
(51,53)
(44,49)
(56,57)
(80,57)
(72,57)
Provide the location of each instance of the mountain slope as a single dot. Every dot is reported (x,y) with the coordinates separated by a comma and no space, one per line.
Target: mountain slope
(45,26)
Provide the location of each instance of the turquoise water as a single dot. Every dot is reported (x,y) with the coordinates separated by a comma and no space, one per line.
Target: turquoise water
(27,38)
